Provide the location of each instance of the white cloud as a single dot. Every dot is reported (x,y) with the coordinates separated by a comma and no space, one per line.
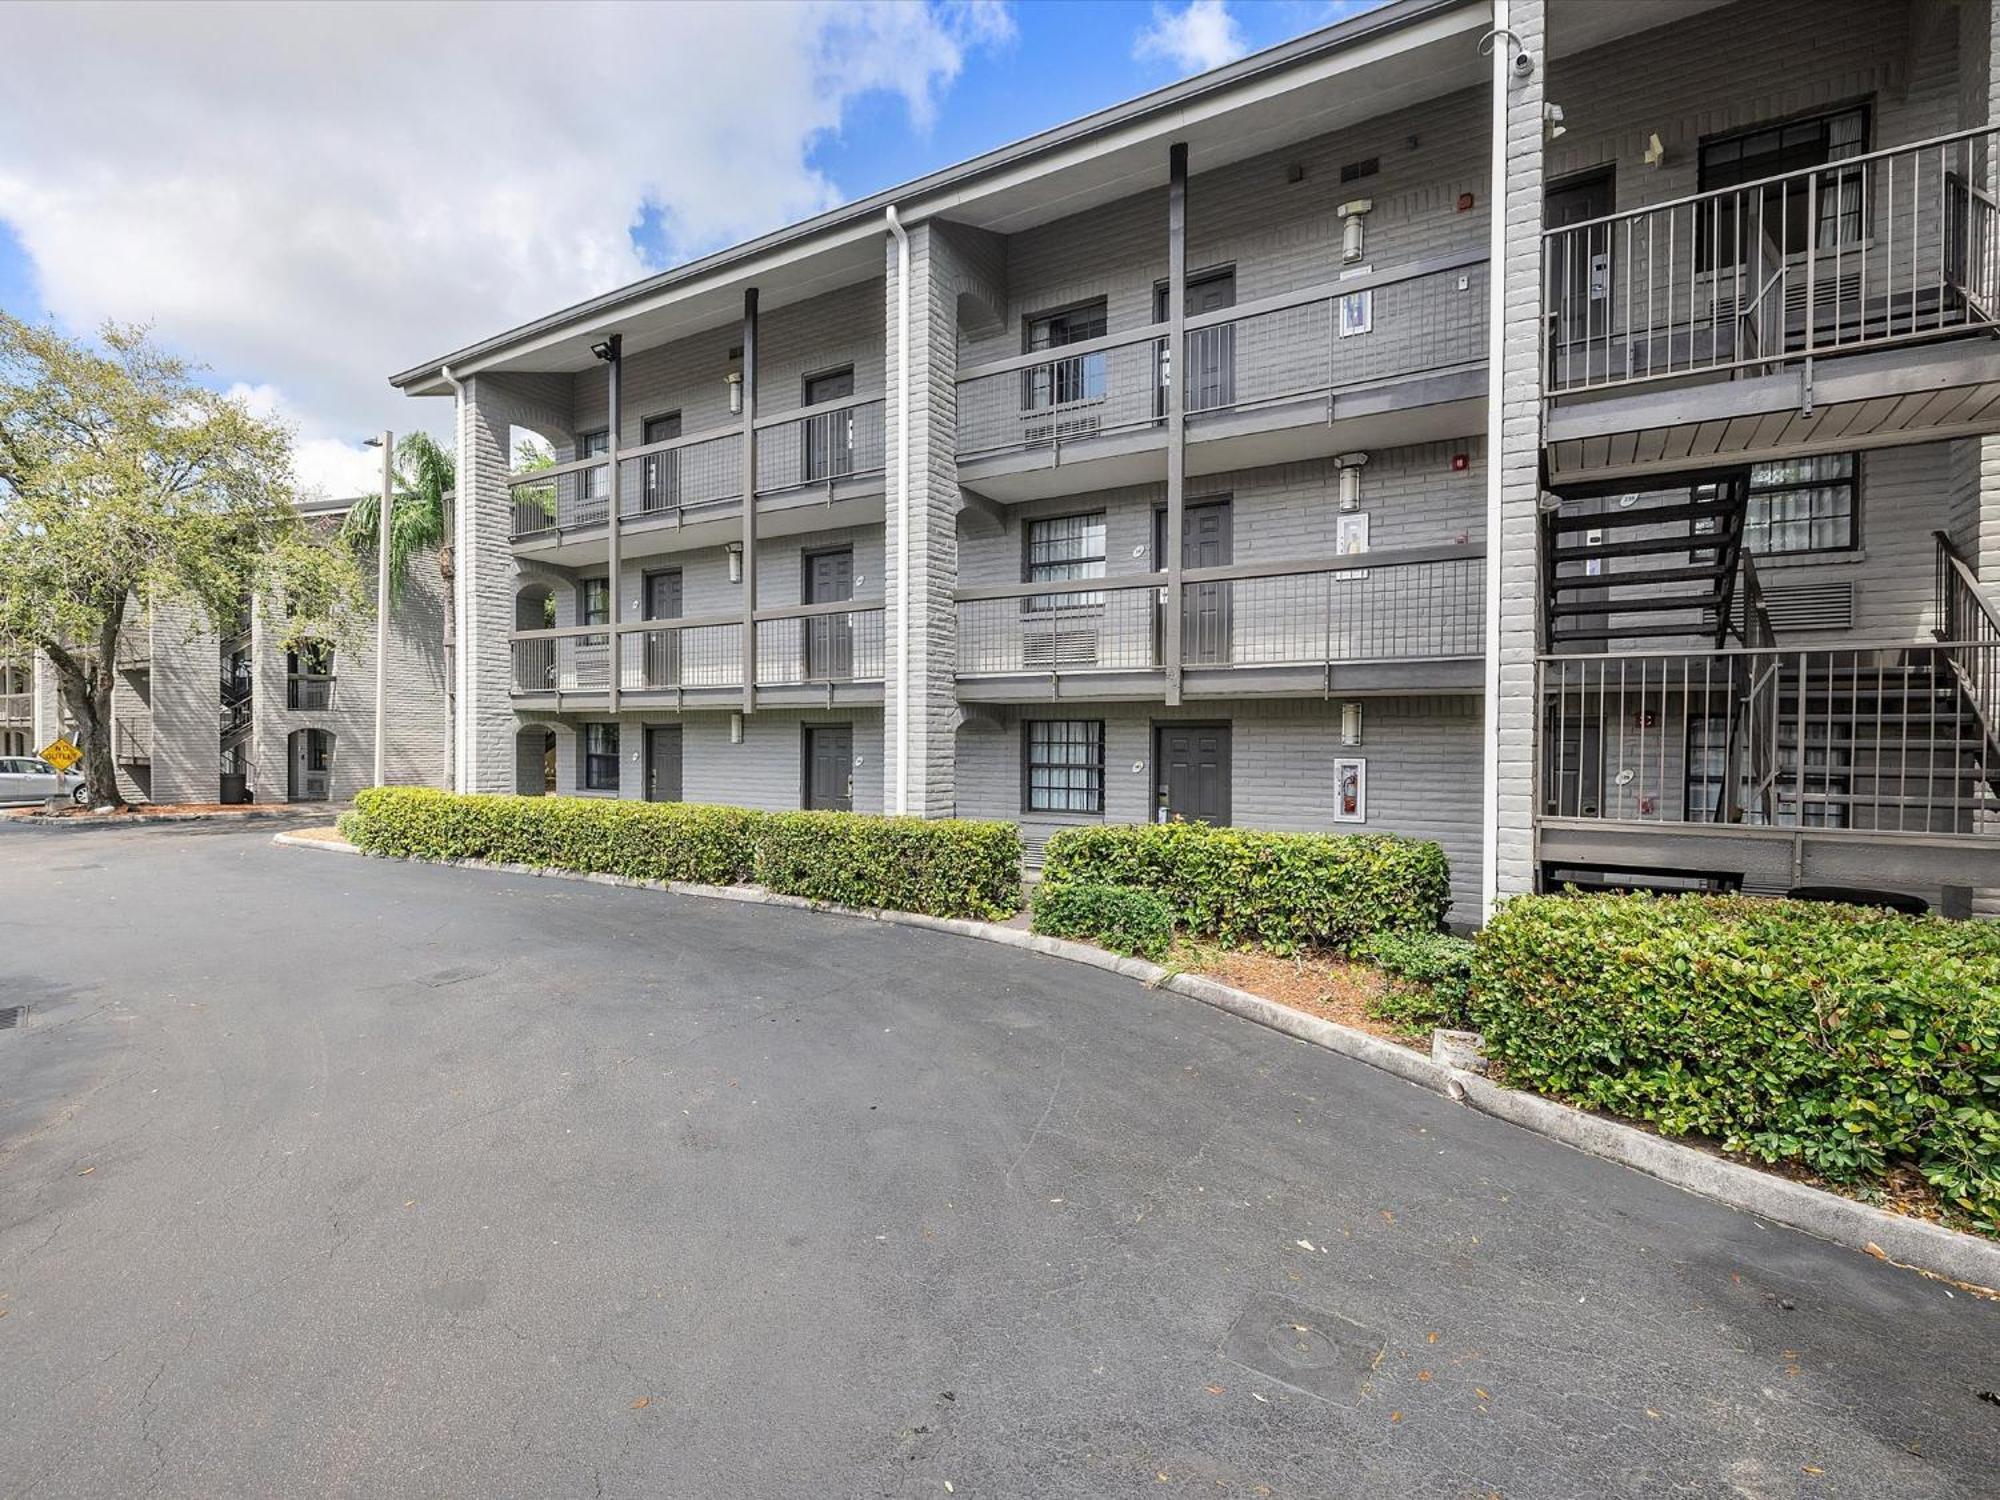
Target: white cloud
(1200,35)
(310,197)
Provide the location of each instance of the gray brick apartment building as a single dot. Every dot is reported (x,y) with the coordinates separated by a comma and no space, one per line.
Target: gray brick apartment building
(1569,431)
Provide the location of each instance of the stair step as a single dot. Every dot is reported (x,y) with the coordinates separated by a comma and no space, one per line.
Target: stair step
(1651,546)
(1697,510)
(1636,606)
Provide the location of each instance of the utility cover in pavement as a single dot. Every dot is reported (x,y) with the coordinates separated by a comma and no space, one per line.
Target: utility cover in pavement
(1320,1353)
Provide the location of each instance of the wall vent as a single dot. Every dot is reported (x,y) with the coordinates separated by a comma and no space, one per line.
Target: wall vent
(1805,606)
(1354,171)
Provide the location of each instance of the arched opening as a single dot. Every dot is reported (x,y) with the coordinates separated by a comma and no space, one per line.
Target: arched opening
(534,607)
(309,756)
(535,760)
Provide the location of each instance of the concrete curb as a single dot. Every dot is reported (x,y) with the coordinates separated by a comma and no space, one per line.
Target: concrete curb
(1914,1244)
(128,820)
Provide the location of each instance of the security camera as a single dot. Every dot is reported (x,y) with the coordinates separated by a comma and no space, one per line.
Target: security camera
(1524,65)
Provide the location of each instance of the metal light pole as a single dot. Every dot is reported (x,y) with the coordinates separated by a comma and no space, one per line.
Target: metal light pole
(387,443)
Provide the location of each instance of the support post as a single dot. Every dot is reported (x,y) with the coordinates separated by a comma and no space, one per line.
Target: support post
(1170,630)
(614,522)
(750,500)
(382,609)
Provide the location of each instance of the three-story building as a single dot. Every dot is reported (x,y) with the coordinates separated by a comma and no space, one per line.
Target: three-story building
(1561,430)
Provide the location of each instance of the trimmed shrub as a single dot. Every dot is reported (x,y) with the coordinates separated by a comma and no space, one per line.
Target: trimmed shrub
(1433,978)
(1286,891)
(945,867)
(942,867)
(1135,923)
(1845,1038)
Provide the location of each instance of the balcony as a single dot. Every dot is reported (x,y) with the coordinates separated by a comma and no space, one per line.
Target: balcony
(309,692)
(1841,306)
(1405,621)
(1376,359)
(16,709)
(688,491)
(132,745)
(807,655)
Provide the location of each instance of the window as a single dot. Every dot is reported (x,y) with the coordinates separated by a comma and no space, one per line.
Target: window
(1063,547)
(600,757)
(1063,765)
(593,602)
(1795,506)
(1801,505)
(1778,212)
(596,483)
(1063,382)
(660,473)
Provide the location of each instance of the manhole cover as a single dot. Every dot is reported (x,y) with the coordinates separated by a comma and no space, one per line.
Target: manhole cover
(1320,1353)
(12,1016)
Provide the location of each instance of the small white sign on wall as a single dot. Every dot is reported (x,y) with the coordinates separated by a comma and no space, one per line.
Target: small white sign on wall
(1350,539)
(1350,790)
(1357,309)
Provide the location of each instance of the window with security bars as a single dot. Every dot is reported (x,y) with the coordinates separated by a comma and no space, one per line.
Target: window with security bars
(1064,382)
(1063,766)
(600,757)
(1062,547)
(1782,212)
(1826,778)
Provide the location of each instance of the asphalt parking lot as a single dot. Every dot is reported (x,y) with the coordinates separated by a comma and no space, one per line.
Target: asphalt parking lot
(324,1176)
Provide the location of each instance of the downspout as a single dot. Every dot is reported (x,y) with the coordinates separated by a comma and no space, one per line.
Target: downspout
(461,503)
(1496,346)
(901,804)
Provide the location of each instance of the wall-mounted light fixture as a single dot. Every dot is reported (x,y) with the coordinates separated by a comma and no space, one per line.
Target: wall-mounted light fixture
(1552,116)
(735,552)
(1347,468)
(736,729)
(1353,235)
(1350,722)
(608,349)
(732,382)
(1656,151)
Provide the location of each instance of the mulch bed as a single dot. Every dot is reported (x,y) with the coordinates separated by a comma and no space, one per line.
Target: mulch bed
(1323,985)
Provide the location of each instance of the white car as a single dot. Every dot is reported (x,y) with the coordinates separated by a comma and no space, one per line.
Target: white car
(27,778)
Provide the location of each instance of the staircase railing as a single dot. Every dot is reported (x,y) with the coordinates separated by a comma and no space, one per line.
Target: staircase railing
(1753,727)
(1968,618)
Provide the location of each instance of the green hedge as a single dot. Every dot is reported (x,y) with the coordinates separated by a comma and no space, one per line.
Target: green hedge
(1286,891)
(1433,978)
(946,867)
(943,867)
(1133,922)
(1845,1038)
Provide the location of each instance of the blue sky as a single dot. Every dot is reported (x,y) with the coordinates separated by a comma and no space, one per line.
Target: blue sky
(304,200)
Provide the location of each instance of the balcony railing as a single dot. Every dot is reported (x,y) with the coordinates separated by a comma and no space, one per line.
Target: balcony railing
(1873,250)
(686,475)
(133,743)
(1415,604)
(308,692)
(16,708)
(1870,738)
(1298,346)
(796,645)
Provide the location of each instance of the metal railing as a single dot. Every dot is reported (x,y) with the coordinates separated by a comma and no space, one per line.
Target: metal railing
(681,474)
(16,708)
(1869,738)
(1297,346)
(565,497)
(832,644)
(1868,251)
(843,440)
(309,692)
(800,644)
(1966,612)
(1409,605)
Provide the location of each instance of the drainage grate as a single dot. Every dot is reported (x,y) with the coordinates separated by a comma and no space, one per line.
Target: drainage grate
(12,1016)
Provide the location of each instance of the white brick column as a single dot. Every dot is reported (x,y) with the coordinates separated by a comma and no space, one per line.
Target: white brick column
(1516,450)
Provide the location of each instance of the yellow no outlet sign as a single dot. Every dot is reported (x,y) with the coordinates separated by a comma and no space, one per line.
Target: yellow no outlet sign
(61,754)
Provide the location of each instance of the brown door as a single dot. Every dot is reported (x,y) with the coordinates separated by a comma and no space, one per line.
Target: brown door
(1580,266)
(662,656)
(829,768)
(1191,767)
(1211,351)
(1207,541)
(660,473)
(829,639)
(663,763)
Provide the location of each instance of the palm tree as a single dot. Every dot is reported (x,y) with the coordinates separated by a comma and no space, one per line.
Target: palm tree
(424,475)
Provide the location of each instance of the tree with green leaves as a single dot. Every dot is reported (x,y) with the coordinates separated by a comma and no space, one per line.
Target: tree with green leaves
(127,485)
(422,476)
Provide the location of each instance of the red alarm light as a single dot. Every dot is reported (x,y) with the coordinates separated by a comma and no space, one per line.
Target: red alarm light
(1460,462)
